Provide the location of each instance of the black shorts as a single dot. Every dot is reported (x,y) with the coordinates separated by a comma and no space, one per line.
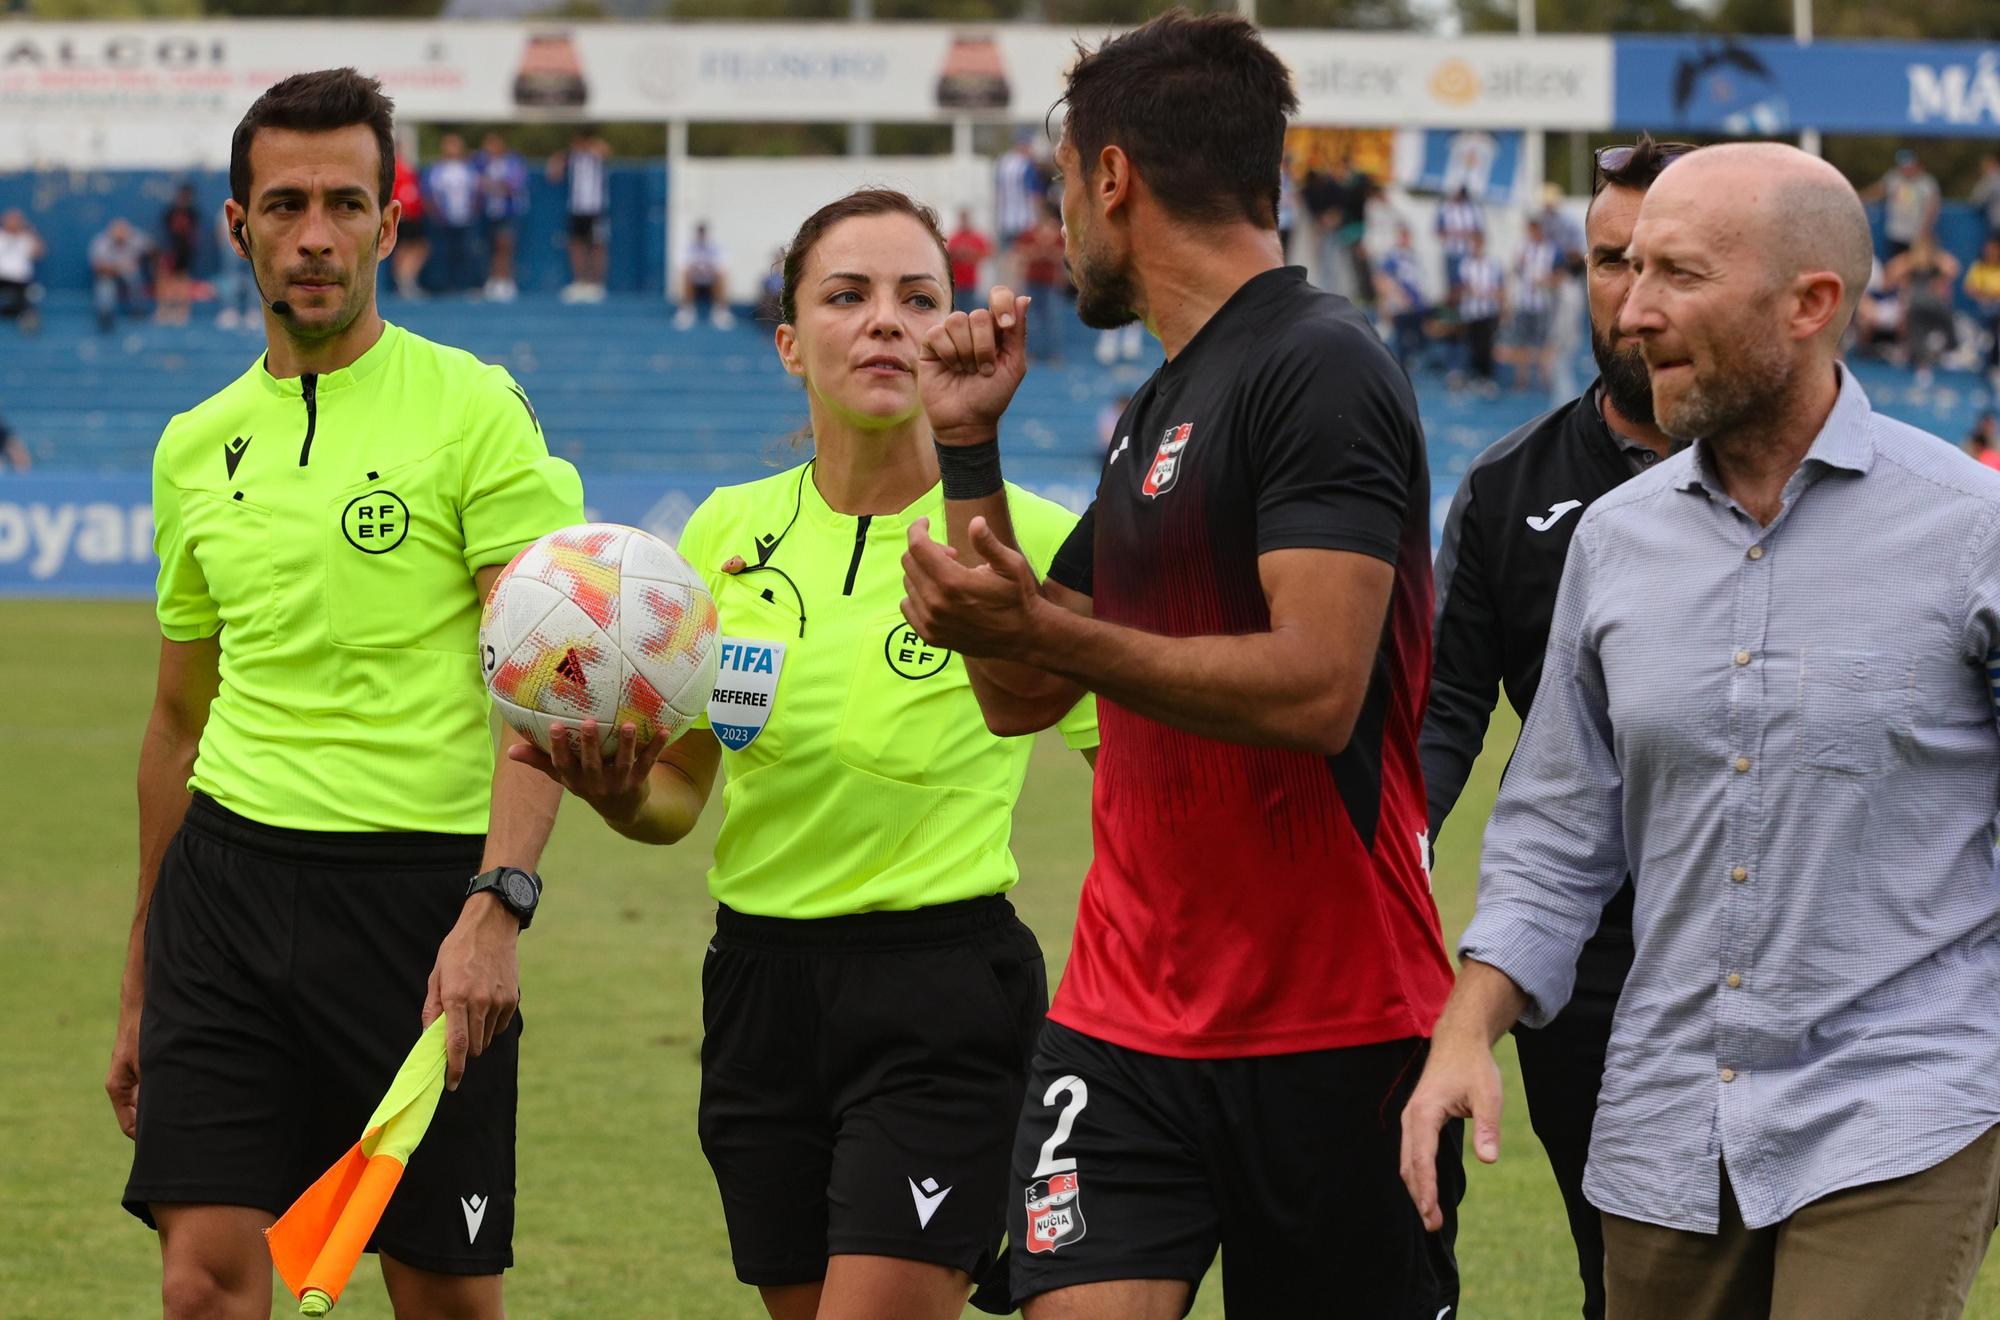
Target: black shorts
(1137,1166)
(860,1081)
(586,228)
(285,979)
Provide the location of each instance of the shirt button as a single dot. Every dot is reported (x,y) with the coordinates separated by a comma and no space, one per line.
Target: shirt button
(1742,657)
(1728,1074)
(1735,981)
(1740,874)
(1756,552)
(1742,765)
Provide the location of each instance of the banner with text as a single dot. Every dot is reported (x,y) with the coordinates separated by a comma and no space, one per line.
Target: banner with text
(167,93)
(1759,86)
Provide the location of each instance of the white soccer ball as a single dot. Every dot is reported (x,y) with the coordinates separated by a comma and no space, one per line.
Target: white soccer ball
(599,622)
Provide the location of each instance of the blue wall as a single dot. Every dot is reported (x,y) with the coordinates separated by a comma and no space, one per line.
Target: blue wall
(70,209)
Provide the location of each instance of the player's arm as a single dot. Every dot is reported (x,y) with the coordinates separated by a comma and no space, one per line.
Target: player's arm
(968,368)
(189,677)
(1466,660)
(1300,684)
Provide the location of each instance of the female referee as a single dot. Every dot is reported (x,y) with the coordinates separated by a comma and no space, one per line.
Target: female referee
(870,1000)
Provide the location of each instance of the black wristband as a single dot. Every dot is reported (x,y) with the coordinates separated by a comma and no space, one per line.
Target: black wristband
(970,472)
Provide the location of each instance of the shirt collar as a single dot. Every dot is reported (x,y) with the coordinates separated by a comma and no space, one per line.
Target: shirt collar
(327,382)
(820,514)
(1845,440)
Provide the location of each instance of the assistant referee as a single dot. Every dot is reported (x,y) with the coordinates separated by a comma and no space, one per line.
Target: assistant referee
(330,852)
(870,999)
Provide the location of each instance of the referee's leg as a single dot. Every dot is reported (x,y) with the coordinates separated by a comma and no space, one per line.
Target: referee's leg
(213,1262)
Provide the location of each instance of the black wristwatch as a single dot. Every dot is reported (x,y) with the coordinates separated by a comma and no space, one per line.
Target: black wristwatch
(519,891)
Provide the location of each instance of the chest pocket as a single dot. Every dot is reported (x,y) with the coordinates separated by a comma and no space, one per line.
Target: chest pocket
(395,563)
(1855,707)
(231,540)
(906,704)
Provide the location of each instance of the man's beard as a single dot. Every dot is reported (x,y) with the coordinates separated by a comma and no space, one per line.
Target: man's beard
(1105,297)
(1623,372)
(1754,385)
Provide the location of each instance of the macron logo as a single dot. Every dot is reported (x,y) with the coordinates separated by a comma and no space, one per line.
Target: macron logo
(475,1214)
(1554,515)
(927,1204)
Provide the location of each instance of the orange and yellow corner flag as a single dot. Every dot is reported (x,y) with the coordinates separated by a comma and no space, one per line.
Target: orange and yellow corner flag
(318,1242)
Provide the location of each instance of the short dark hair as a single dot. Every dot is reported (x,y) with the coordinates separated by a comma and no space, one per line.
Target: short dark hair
(318,102)
(1637,173)
(1199,105)
(862,201)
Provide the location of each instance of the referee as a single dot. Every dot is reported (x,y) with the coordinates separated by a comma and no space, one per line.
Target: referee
(318,876)
(870,999)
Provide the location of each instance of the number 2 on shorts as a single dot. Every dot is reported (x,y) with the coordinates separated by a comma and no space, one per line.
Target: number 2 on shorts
(1079,1096)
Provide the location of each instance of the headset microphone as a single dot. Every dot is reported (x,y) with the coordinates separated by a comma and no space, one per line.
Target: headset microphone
(281,307)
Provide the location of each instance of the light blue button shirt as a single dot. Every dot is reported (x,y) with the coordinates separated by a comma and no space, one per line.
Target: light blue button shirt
(1787,734)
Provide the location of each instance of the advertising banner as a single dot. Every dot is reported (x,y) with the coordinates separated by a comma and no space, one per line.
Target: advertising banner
(81,534)
(146,93)
(1758,86)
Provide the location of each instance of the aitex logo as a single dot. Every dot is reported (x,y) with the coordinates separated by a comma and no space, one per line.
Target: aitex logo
(376,523)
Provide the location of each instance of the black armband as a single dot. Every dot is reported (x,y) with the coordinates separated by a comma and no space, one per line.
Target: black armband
(970,472)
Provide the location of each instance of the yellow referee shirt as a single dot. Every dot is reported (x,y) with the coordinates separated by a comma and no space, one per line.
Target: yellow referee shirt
(861,775)
(328,527)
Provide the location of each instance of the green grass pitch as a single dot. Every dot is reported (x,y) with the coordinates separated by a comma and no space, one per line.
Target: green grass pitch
(618,1214)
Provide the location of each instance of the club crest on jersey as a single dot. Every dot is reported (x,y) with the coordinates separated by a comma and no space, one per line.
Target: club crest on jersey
(746,679)
(1167,461)
(1055,1214)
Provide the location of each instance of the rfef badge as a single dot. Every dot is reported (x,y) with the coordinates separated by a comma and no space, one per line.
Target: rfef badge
(746,682)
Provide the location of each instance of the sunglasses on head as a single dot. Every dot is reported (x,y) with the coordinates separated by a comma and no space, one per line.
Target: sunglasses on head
(1610,160)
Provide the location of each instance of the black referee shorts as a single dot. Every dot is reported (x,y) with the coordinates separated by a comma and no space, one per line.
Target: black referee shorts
(1138,1166)
(861,1077)
(285,979)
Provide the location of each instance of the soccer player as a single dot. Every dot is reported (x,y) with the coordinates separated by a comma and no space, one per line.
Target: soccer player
(870,999)
(1504,545)
(1257,958)
(330,853)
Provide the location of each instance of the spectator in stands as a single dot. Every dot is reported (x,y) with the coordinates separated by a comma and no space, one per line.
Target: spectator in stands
(1926,276)
(180,235)
(413,231)
(1878,323)
(232,282)
(1910,198)
(503,200)
(704,282)
(452,197)
(1984,441)
(1399,298)
(968,249)
(1040,252)
(13,450)
(1535,273)
(1458,219)
(1986,193)
(1338,201)
(118,271)
(1020,190)
(1558,228)
(587,168)
(1569,319)
(1982,286)
(20,249)
(1481,301)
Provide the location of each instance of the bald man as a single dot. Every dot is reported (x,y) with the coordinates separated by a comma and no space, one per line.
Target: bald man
(1769,697)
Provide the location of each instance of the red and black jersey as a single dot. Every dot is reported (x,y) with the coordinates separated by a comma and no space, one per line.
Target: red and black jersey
(1253,900)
